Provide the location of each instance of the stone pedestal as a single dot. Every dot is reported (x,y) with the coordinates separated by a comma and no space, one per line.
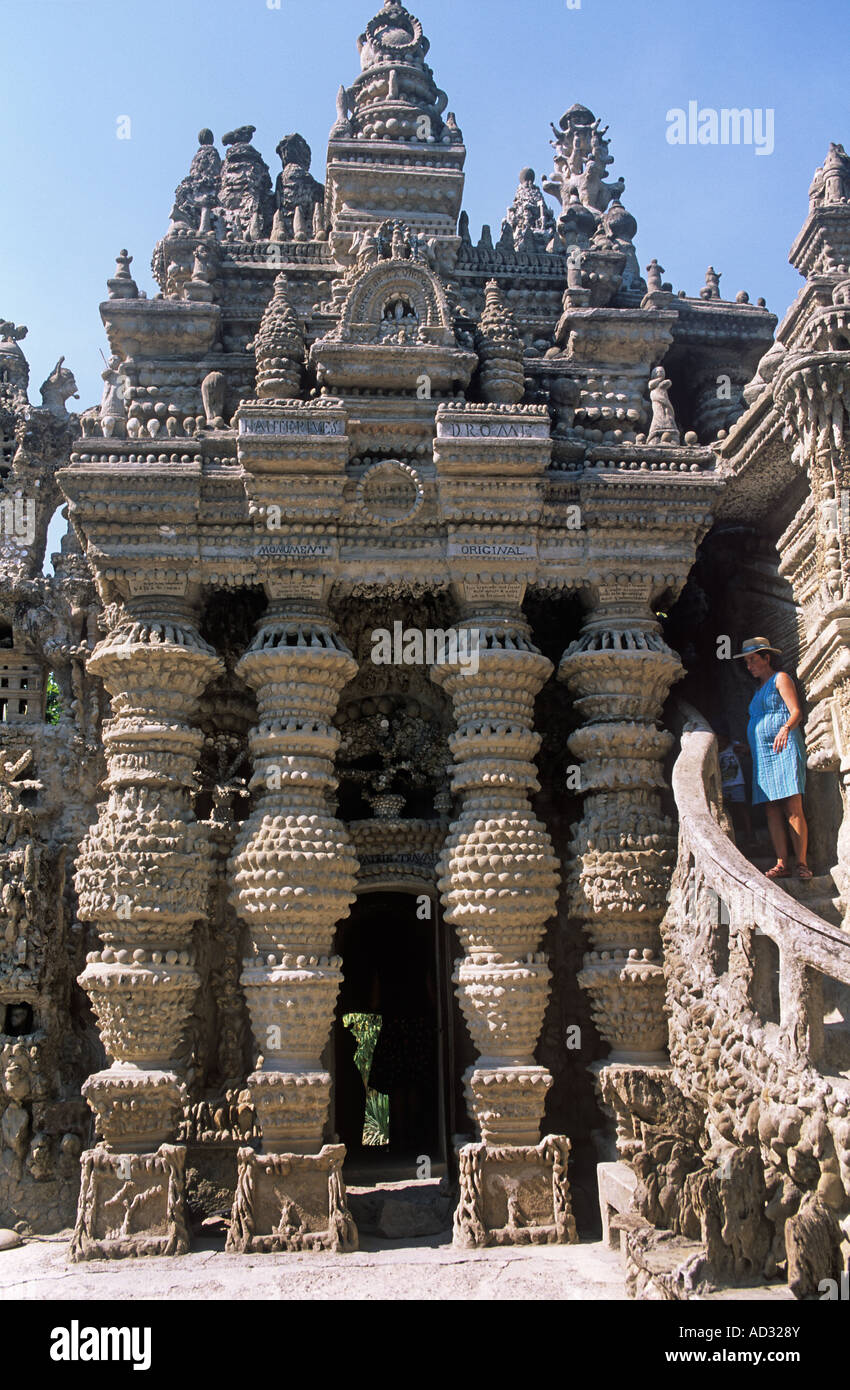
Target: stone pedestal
(498,879)
(142,878)
(131,1204)
(514,1195)
(293,874)
(291,1202)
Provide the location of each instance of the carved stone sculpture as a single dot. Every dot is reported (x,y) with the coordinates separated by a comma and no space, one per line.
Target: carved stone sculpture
(662,427)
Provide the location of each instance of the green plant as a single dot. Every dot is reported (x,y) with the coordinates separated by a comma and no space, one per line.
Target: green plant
(53,706)
(376,1124)
(365,1028)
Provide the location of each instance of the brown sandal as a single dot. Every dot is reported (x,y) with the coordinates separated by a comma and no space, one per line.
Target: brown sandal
(778,871)
(804,872)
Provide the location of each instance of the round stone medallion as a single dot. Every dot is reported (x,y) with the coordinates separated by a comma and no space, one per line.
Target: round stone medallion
(390,493)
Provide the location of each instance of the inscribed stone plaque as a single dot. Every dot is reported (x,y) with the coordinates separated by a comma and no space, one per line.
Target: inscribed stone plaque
(491,550)
(153,583)
(496,429)
(289,584)
(257,425)
(623,593)
(312,549)
(493,591)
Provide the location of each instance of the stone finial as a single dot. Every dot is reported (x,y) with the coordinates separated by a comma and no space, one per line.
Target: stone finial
(279,347)
(711,288)
(500,350)
(122,285)
(342,125)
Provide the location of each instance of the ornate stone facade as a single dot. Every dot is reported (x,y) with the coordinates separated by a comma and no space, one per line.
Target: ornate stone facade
(356,485)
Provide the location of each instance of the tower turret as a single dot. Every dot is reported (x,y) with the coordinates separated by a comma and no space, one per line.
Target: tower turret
(394,149)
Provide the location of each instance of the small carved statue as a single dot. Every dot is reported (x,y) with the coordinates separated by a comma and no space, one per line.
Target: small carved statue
(112,409)
(212,394)
(57,389)
(662,429)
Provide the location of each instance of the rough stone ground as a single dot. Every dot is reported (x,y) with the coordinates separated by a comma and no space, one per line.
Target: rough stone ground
(426,1268)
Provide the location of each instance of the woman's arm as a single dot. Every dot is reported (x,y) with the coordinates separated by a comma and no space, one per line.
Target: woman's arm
(788,691)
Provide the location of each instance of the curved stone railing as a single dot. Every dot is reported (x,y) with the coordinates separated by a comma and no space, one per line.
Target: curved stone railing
(748,968)
(806,944)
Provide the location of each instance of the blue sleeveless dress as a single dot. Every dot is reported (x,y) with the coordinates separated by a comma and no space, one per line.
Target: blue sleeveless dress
(775,775)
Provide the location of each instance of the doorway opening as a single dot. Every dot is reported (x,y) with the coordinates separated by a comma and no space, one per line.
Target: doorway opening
(390,1037)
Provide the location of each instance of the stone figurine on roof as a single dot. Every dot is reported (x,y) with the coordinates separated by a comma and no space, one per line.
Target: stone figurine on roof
(530,219)
(299,197)
(246,189)
(831,183)
(581,160)
(592,216)
(200,186)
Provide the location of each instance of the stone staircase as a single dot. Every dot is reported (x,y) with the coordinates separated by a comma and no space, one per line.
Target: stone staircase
(757,1203)
(818,894)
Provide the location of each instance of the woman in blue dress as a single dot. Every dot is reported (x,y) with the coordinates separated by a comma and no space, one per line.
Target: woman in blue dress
(779,755)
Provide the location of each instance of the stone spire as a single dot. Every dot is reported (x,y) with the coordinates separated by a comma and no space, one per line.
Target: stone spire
(395,97)
(279,347)
(395,104)
(500,350)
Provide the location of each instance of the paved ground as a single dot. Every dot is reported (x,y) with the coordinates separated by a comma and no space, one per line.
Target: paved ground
(427,1268)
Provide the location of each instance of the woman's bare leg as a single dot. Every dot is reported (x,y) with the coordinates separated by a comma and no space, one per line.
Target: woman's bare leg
(776,825)
(798,827)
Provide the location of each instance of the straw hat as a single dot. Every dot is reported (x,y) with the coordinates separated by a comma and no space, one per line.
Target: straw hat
(756,644)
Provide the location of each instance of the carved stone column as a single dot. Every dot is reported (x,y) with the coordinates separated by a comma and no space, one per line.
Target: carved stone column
(142,878)
(813,391)
(498,880)
(293,875)
(620,671)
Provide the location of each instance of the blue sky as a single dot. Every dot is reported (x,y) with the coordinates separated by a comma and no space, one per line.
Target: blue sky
(74,194)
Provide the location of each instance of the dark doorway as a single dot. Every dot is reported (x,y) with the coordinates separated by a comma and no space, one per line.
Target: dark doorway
(392,988)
